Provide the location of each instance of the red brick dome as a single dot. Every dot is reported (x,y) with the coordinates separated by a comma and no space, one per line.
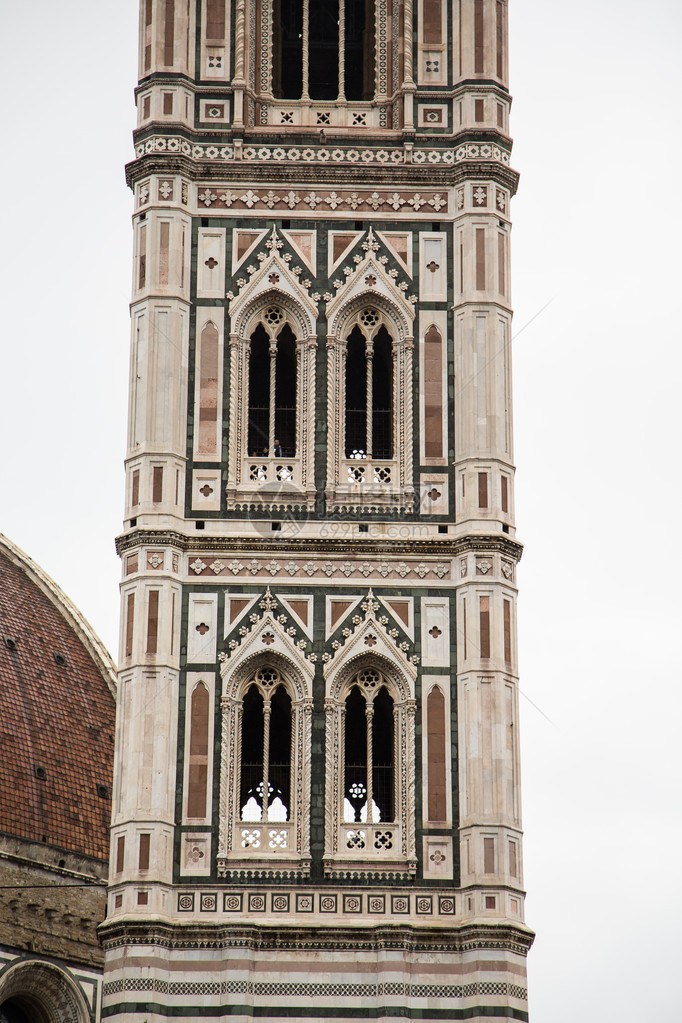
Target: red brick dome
(57,712)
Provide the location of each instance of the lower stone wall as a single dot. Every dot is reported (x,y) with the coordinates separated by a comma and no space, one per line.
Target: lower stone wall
(50,909)
(156,972)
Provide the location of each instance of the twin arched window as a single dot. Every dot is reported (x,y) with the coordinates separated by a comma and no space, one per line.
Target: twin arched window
(266,779)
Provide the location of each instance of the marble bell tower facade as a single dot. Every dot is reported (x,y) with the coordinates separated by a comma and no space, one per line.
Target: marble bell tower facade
(317,797)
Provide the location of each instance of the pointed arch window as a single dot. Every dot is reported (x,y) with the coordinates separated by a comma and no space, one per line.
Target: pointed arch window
(265,777)
(369,379)
(271,450)
(369,767)
(272,389)
(369,392)
(370,815)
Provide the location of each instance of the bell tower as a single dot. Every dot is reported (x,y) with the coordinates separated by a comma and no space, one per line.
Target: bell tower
(316,810)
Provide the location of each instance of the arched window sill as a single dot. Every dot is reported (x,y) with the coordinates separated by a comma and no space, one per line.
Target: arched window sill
(345,868)
(270,492)
(364,498)
(272,866)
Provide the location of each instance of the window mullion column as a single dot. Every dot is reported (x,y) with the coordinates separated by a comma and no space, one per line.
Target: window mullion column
(266,760)
(306,33)
(369,712)
(369,353)
(271,410)
(342,49)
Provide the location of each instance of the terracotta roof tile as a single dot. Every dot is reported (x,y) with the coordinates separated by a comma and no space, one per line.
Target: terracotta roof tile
(58,717)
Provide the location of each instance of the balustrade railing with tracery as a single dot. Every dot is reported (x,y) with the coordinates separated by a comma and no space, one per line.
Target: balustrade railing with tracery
(262,471)
(370,841)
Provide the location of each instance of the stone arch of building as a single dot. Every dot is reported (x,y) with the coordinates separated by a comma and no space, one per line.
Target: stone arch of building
(41,992)
(246,319)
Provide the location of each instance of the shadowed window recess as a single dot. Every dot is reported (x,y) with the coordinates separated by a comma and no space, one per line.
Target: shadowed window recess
(369,752)
(272,391)
(323,50)
(369,393)
(265,777)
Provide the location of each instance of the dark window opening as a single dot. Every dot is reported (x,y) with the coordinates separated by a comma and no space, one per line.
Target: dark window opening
(280,756)
(323,45)
(382,391)
(287,49)
(355,783)
(282,443)
(259,393)
(285,394)
(382,755)
(323,50)
(266,756)
(250,793)
(380,443)
(368,779)
(359,50)
(356,395)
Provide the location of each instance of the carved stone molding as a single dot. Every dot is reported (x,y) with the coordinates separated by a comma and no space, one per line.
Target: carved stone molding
(392,937)
(385,156)
(390,548)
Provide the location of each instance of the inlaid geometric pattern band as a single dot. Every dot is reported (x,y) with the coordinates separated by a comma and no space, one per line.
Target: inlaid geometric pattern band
(221,197)
(293,154)
(264,990)
(257,902)
(253,566)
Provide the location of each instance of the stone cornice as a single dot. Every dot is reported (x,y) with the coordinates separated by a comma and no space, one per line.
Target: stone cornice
(450,939)
(449,548)
(406,175)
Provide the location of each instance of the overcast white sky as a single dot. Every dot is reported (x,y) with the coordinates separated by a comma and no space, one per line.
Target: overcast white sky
(597,397)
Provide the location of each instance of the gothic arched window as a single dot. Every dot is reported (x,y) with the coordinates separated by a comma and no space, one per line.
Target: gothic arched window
(368,741)
(265,773)
(272,389)
(369,379)
(272,404)
(266,751)
(369,391)
(370,812)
